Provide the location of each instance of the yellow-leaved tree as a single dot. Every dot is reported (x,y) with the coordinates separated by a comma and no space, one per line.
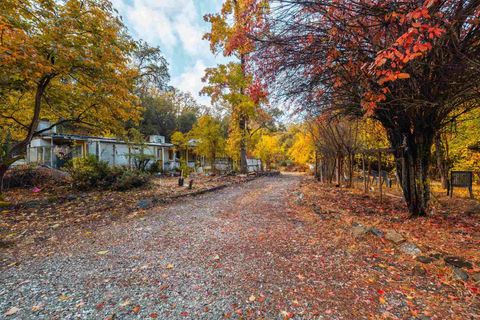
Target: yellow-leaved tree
(231,83)
(268,149)
(208,136)
(302,150)
(66,61)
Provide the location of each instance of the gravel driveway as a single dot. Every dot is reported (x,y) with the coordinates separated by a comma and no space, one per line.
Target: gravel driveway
(248,251)
(206,257)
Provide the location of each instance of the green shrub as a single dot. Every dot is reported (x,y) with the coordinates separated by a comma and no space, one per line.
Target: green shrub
(185,168)
(89,173)
(130,179)
(156,167)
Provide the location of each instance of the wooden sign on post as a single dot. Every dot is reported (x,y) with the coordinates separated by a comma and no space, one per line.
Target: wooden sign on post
(463,179)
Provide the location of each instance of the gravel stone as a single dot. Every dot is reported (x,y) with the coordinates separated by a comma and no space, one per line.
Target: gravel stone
(458,262)
(410,248)
(394,236)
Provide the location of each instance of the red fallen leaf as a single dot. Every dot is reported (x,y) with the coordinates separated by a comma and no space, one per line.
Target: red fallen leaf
(239,312)
(261,299)
(184,314)
(380,292)
(136,309)
(100,306)
(206,309)
(153,315)
(287,315)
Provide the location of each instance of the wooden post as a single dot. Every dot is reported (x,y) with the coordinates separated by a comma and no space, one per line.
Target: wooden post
(321,170)
(337,175)
(364,175)
(114,149)
(129,157)
(51,152)
(163,159)
(380,174)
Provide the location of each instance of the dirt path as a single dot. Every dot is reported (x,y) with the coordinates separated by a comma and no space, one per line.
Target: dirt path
(242,252)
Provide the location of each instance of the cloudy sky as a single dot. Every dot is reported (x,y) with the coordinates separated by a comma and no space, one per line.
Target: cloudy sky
(176,26)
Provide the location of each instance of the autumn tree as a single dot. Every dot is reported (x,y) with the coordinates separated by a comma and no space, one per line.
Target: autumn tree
(268,149)
(229,86)
(302,150)
(209,138)
(68,62)
(168,111)
(460,144)
(152,69)
(411,65)
(230,35)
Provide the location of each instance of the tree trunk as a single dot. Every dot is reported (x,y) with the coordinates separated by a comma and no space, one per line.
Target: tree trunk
(243,125)
(351,157)
(441,161)
(412,163)
(243,145)
(3,171)
(212,163)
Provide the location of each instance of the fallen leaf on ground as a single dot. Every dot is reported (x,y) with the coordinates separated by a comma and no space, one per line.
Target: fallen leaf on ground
(37,307)
(11,311)
(63,298)
(136,309)
(125,303)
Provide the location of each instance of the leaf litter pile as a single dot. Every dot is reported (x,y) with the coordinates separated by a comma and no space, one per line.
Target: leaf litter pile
(274,248)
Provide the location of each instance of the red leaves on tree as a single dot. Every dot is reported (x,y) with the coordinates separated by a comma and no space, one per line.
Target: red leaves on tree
(257,92)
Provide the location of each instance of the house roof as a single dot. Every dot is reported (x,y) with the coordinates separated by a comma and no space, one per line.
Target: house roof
(77,137)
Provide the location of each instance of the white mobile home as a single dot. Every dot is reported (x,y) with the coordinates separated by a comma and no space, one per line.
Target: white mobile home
(54,149)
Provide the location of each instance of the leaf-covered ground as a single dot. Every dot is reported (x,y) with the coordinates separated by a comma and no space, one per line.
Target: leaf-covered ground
(273,248)
(45,216)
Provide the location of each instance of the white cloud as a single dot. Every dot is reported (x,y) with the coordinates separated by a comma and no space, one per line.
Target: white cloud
(177,26)
(191,81)
(166,22)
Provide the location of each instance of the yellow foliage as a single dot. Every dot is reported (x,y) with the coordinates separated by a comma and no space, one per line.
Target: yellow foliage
(268,149)
(82,61)
(303,149)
